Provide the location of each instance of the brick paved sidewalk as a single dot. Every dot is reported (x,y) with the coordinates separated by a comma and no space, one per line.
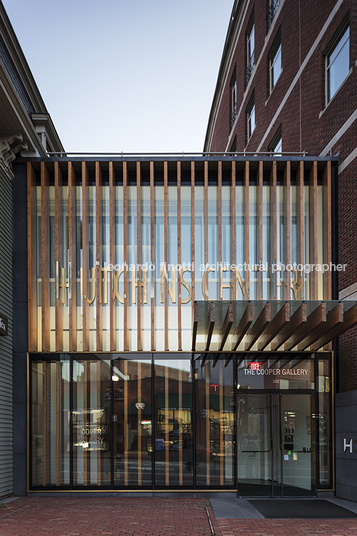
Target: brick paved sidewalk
(147,517)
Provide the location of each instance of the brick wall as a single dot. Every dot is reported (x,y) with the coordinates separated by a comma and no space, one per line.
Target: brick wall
(307,123)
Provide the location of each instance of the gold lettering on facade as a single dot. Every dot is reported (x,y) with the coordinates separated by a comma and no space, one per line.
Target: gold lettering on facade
(186,285)
(93,282)
(103,284)
(205,292)
(221,284)
(137,283)
(243,285)
(171,290)
(116,294)
(60,282)
(296,284)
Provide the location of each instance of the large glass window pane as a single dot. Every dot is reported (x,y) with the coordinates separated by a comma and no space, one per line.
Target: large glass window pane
(173,422)
(254,445)
(215,421)
(50,423)
(324,423)
(275,68)
(132,422)
(338,64)
(91,422)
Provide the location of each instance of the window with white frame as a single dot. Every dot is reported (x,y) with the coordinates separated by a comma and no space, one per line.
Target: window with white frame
(250,48)
(250,119)
(275,67)
(275,147)
(338,63)
(273,8)
(233,101)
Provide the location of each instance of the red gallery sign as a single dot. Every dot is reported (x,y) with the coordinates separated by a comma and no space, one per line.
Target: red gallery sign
(255,366)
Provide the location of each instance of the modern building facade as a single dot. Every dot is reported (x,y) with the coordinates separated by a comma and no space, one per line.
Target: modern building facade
(287,83)
(171,323)
(174,340)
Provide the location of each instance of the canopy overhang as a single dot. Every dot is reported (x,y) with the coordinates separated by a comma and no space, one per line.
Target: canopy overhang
(274,325)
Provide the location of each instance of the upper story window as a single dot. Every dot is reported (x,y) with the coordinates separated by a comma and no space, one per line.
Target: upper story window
(233,101)
(275,147)
(338,62)
(273,8)
(250,48)
(250,118)
(275,62)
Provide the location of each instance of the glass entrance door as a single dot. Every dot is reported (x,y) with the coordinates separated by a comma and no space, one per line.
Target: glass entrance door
(276,444)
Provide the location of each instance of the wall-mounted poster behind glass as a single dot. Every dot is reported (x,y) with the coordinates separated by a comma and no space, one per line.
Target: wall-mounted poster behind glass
(91,422)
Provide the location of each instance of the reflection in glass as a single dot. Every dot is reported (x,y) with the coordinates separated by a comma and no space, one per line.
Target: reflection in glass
(215,422)
(324,423)
(50,465)
(91,422)
(254,445)
(132,424)
(173,423)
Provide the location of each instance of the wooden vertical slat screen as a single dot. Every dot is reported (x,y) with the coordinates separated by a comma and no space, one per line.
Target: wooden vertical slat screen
(138,258)
(260,228)
(32,258)
(313,230)
(59,257)
(125,241)
(287,229)
(179,331)
(246,224)
(98,255)
(112,231)
(234,226)
(193,172)
(166,254)
(152,252)
(327,230)
(273,228)
(300,238)
(85,257)
(72,252)
(45,258)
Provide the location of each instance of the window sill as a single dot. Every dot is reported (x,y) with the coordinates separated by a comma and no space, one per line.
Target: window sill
(331,100)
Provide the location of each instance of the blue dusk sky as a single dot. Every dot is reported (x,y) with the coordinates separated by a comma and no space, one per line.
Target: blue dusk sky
(131,76)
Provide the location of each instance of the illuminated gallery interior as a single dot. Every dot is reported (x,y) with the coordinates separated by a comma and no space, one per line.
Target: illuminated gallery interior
(180,319)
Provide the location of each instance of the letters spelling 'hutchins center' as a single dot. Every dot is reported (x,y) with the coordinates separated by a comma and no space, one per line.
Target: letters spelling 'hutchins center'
(180,319)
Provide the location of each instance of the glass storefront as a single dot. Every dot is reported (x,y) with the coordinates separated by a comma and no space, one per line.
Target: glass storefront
(258,423)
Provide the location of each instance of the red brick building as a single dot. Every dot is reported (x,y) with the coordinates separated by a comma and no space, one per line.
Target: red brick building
(287,84)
